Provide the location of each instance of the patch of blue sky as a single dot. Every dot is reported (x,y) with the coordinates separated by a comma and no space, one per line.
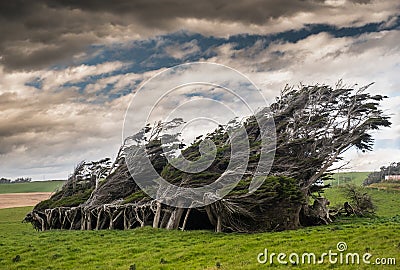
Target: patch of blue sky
(151,54)
(387,143)
(106,89)
(194,94)
(37,83)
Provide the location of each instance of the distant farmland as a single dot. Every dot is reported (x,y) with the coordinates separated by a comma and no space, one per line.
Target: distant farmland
(356,178)
(39,186)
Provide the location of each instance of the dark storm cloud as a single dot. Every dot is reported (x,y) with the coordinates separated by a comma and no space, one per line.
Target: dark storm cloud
(152,12)
(36,34)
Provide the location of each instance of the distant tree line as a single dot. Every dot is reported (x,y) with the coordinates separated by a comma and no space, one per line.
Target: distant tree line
(17,180)
(376,177)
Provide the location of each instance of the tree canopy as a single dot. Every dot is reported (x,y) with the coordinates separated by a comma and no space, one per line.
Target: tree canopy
(312,125)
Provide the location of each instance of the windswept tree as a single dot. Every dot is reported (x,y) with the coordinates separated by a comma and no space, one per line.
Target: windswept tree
(314,126)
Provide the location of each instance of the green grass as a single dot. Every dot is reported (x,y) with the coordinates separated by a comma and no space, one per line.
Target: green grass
(39,186)
(386,201)
(149,248)
(356,178)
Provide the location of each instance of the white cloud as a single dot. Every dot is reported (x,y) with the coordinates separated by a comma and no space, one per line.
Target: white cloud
(180,51)
(324,59)
(54,128)
(64,29)
(371,161)
(55,78)
(46,131)
(338,13)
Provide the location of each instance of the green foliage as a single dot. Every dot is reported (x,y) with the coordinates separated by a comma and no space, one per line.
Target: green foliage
(316,124)
(73,200)
(277,188)
(359,199)
(136,196)
(274,205)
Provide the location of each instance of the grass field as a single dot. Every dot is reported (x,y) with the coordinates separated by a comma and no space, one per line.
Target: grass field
(149,248)
(385,197)
(39,186)
(21,247)
(386,201)
(355,178)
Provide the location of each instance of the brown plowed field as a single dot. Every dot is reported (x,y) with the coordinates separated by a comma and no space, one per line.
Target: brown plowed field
(10,200)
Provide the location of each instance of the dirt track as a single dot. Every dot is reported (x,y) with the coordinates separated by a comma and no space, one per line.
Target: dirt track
(10,200)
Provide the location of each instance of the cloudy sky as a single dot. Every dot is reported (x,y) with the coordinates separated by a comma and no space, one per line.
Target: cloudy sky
(69,69)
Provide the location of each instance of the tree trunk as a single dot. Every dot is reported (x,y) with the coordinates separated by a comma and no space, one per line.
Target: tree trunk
(186,218)
(99,218)
(41,221)
(175,218)
(316,214)
(296,218)
(165,219)
(157,215)
(219,224)
(89,220)
(210,215)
